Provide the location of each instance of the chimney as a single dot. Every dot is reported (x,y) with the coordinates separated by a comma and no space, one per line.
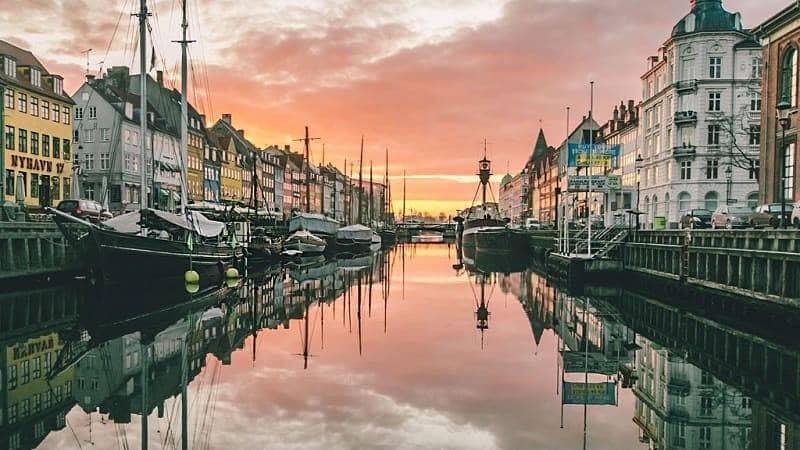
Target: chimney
(616,113)
(287,147)
(227,119)
(241,132)
(160,77)
(631,106)
(203,119)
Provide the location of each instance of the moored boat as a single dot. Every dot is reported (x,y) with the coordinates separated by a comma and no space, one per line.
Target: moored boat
(354,239)
(305,242)
(318,224)
(116,251)
(471,220)
(375,242)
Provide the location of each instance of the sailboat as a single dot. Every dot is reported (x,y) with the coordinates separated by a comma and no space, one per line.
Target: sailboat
(387,232)
(357,238)
(310,233)
(148,243)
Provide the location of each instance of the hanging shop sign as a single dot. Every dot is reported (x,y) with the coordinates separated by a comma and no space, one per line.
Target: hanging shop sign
(578,362)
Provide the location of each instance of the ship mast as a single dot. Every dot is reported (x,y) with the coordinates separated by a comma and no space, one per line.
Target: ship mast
(360,180)
(485,173)
(142,103)
(371,208)
(184,110)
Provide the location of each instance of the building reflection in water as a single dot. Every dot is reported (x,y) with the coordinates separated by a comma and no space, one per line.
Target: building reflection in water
(695,383)
(679,403)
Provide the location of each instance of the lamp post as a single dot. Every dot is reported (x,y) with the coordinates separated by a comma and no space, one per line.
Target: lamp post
(729,184)
(639,161)
(783,111)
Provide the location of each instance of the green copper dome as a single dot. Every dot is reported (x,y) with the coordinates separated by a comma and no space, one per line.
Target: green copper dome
(707,15)
(506,179)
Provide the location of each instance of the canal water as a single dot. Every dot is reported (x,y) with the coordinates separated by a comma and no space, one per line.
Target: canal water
(404,349)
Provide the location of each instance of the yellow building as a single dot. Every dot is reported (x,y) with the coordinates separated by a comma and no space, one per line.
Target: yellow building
(231,171)
(37,135)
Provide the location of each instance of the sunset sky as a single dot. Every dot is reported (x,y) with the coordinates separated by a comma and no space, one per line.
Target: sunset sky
(427,79)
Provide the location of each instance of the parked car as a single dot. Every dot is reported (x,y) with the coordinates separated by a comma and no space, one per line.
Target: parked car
(696,218)
(84,209)
(769,215)
(533,224)
(727,216)
(795,217)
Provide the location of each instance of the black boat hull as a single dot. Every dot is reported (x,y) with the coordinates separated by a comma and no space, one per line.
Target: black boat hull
(353,246)
(501,241)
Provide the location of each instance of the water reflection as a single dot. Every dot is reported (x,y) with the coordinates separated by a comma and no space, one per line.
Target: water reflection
(467,353)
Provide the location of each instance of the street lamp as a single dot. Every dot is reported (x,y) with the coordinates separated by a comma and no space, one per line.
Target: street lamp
(729,182)
(639,161)
(783,111)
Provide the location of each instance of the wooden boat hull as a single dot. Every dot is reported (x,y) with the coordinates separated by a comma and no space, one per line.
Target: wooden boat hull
(353,246)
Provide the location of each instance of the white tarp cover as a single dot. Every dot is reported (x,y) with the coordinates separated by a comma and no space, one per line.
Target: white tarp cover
(315,223)
(356,232)
(129,222)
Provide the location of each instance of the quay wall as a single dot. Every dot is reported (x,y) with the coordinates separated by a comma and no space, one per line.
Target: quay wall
(762,264)
(34,250)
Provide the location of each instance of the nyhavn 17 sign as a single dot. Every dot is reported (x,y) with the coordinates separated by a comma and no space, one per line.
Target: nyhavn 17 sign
(592,155)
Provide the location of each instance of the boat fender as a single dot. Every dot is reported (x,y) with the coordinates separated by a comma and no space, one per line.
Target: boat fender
(192,288)
(191,277)
(232,272)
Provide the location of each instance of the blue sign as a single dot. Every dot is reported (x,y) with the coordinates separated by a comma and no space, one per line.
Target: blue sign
(594,155)
(589,394)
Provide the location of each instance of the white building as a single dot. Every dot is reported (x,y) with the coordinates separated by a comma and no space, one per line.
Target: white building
(700,123)
(513,198)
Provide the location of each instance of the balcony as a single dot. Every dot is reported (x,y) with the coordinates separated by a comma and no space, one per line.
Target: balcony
(686,86)
(685,117)
(684,151)
(679,386)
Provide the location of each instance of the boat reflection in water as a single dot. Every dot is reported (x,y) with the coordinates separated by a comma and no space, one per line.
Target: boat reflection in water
(79,367)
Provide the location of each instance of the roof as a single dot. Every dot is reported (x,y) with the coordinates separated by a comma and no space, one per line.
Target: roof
(540,148)
(781,19)
(26,58)
(117,98)
(507,178)
(708,15)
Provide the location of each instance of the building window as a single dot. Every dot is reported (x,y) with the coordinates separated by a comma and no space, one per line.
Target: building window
(45,145)
(788,171)
(12,414)
(56,113)
(45,110)
(88,161)
(35,188)
(715,101)
(67,187)
(105,134)
(22,102)
(24,372)
(686,170)
(9,137)
(88,135)
(715,67)
(65,115)
(755,102)
(76,135)
(755,134)
(36,77)
(66,148)
(755,68)
(10,67)
(36,367)
(684,201)
(712,169)
(78,113)
(34,143)
(23,140)
(711,200)
(105,161)
(713,134)
(56,188)
(35,106)
(789,77)
(705,438)
(10,98)
(56,147)
(752,171)
(93,112)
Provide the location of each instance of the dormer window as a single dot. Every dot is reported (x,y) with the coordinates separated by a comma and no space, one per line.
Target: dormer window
(10,67)
(36,77)
(58,86)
